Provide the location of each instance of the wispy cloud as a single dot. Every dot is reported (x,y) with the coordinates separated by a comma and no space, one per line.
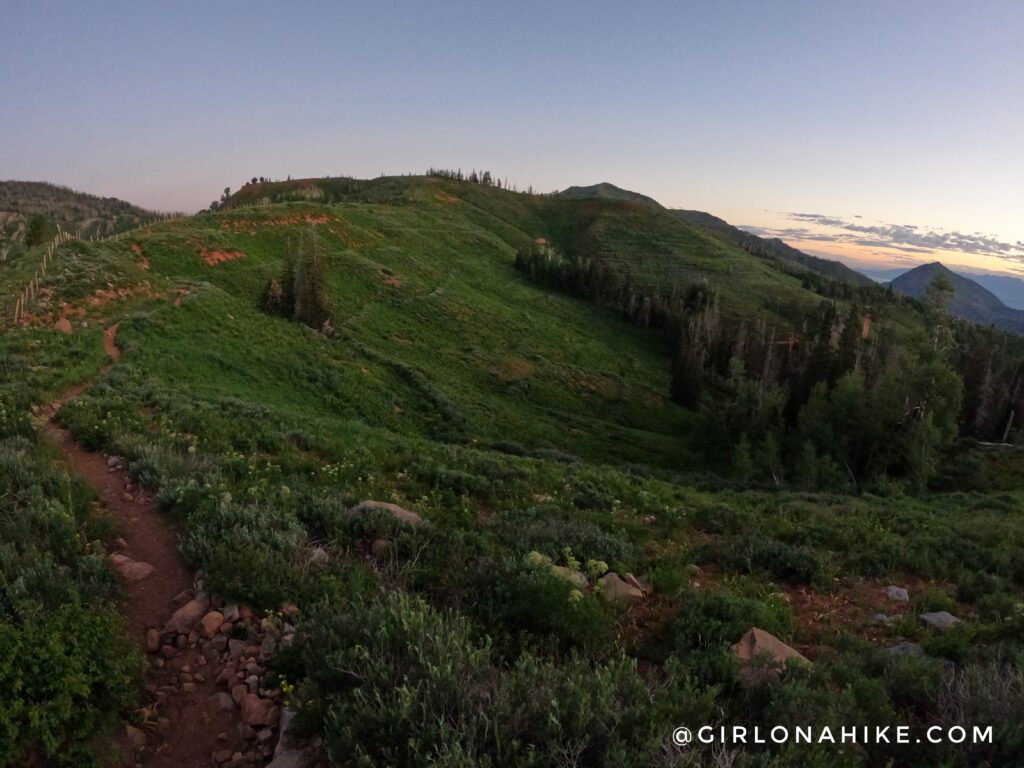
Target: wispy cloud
(906,238)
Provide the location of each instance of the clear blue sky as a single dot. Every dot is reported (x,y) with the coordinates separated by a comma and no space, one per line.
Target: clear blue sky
(900,113)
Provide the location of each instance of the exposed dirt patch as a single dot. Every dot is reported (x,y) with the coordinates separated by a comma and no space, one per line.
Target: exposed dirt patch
(213,258)
(390,278)
(513,368)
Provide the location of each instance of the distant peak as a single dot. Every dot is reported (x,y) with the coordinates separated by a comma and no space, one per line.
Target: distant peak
(605,190)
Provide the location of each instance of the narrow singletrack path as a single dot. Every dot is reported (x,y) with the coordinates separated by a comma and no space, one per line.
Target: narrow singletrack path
(187,725)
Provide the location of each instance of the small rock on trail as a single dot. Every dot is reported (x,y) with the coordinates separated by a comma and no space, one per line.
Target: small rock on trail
(128,569)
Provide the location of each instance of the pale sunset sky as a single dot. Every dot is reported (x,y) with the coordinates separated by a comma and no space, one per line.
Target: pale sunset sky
(875,132)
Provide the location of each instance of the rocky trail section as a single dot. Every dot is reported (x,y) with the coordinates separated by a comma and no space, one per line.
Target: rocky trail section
(210,702)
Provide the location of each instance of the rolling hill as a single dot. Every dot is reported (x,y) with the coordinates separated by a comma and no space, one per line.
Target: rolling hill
(970,301)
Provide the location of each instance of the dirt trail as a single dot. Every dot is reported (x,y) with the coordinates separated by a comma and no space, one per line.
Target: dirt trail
(193,726)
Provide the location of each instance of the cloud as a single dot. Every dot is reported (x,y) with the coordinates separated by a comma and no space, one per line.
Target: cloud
(907,238)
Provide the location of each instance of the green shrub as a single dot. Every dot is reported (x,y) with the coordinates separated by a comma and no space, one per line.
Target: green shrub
(65,673)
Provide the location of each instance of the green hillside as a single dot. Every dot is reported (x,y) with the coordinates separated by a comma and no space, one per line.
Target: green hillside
(529,427)
(773,248)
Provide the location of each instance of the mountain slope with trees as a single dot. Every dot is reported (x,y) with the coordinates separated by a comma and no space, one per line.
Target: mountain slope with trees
(617,444)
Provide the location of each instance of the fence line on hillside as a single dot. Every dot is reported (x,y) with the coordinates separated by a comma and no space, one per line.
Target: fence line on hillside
(31,289)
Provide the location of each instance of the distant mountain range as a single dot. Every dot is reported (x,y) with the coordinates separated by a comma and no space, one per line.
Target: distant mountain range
(1009,290)
(970,301)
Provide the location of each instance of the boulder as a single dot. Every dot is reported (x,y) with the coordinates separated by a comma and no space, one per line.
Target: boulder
(223,701)
(62,326)
(904,648)
(615,590)
(939,619)
(897,594)
(236,648)
(186,617)
(136,737)
(633,581)
(210,624)
(575,577)
(400,514)
(257,711)
(762,656)
(128,569)
(231,612)
(288,754)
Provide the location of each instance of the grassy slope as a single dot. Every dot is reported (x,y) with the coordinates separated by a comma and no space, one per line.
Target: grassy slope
(441,352)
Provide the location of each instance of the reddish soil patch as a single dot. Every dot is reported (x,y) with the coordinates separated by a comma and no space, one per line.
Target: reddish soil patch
(311,219)
(213,258)
(192,722)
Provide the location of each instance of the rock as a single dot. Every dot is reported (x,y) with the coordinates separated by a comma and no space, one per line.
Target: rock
(244,612)
(227,674)
(136,737)
(238,693)
(290,609)
(633,581)
(257,711)
(185,618)
(188,687)
(168,651)
(897,594)
(62,326)
(288,754)
(762,656)
(231,613)
(127,497)
(576,577)
(400,514)
(223,701)
(222,756)
(904,648)
(380,548)
(881,618)
(209,625)
(152,641)
(693,569)
(615,590)
(939,619)
(318,556)
(120,544)
(128,569)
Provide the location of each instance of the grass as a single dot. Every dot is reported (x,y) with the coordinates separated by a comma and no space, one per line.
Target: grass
(516,420)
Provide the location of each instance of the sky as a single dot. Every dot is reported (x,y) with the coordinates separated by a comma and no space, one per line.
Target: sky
(881,133)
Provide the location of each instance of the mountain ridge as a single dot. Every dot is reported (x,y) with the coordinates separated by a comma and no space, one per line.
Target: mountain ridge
(971,301)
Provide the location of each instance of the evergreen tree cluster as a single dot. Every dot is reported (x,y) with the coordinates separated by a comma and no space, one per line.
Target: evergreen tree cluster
(831,401)
(301,291)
